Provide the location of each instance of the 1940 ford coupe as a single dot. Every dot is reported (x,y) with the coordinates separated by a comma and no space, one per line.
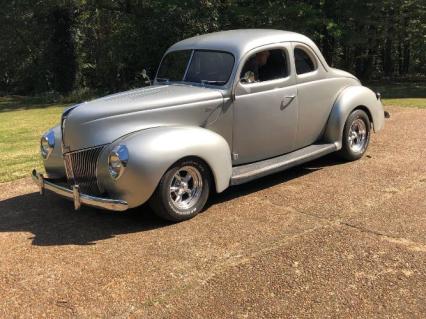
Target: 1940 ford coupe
(225,108)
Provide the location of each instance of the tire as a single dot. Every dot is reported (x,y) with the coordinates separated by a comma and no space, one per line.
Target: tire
(356,136)
(183,191)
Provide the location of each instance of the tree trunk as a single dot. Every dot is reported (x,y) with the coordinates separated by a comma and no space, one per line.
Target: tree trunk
(387,58)
(406,60)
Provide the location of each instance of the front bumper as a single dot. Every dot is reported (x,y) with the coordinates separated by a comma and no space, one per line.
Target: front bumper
(75,195)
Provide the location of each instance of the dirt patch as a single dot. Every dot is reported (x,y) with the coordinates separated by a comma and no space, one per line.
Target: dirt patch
(325,239)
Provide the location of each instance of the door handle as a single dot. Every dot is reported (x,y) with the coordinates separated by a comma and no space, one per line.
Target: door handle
(287,100)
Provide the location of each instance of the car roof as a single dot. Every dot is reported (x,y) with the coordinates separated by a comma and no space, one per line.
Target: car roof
(241,41)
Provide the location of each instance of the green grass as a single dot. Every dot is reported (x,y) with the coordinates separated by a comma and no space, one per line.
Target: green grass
(409,94)
(418,102)
(20,131)
(24,120)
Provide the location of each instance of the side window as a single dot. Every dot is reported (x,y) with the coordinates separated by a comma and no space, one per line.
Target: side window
(264,66)
(304,63)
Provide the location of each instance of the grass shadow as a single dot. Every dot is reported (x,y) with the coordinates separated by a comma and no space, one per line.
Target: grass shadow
(18,103)
(399,90)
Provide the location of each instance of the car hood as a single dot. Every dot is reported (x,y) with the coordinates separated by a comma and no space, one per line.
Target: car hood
(104,120)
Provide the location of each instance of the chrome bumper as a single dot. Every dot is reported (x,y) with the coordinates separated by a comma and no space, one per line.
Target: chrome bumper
(75,195)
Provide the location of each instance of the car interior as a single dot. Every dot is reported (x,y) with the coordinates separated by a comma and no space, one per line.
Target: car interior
(275,67)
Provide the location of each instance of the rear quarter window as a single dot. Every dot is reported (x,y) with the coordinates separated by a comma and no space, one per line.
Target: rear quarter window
(304,62)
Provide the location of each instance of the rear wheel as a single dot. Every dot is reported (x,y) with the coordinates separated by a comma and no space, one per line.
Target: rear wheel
(356,136)
(183,191)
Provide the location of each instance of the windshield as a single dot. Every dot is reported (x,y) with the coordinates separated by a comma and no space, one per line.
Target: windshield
(206,67)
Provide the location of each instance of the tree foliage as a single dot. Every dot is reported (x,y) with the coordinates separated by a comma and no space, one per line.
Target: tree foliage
(104,45)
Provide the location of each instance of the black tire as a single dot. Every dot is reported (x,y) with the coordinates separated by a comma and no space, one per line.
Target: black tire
(359,145)
(165,203)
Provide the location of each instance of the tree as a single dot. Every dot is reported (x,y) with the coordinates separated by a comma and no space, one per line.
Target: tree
(60,49)
(104,45)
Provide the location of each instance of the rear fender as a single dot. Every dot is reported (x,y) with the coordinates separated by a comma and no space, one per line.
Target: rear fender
(349,99)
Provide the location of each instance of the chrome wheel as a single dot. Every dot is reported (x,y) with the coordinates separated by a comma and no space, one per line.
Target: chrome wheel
(358,135)
(186,187)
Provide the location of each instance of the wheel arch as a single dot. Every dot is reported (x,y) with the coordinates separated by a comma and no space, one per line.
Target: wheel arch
(367,111)
(350,99)
(153,151)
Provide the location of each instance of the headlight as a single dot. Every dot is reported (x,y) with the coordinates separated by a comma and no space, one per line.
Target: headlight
(117,161)
(47,143)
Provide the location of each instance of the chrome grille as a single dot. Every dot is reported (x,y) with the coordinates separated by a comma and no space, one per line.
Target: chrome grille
(80,167)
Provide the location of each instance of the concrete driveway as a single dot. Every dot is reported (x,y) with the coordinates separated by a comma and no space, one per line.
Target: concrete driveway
(328,239)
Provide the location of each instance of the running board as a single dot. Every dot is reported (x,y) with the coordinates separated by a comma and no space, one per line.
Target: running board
(248,172)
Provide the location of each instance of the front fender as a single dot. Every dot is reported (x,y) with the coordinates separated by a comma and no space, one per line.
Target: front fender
(153,151)
(54,164)
(349,99)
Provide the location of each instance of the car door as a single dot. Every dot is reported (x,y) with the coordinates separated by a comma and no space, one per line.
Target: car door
(265,109)
(316,94)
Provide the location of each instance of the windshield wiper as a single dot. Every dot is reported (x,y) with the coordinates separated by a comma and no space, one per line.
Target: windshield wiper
(213,82)
(163,80)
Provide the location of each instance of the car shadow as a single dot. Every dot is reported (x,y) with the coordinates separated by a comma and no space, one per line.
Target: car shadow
(52,220)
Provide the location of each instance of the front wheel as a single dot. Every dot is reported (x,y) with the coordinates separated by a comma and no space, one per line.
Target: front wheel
(183,191)
(356,136)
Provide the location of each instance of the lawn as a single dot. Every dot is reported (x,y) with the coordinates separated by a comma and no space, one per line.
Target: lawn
(21,125)
(410,94)
(24,120)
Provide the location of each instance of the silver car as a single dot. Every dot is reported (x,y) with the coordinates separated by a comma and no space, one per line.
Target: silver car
(225,108)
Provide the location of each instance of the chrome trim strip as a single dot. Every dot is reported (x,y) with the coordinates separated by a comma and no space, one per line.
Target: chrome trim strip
(77,197)
(68,167)
(86,149)
(63,120)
